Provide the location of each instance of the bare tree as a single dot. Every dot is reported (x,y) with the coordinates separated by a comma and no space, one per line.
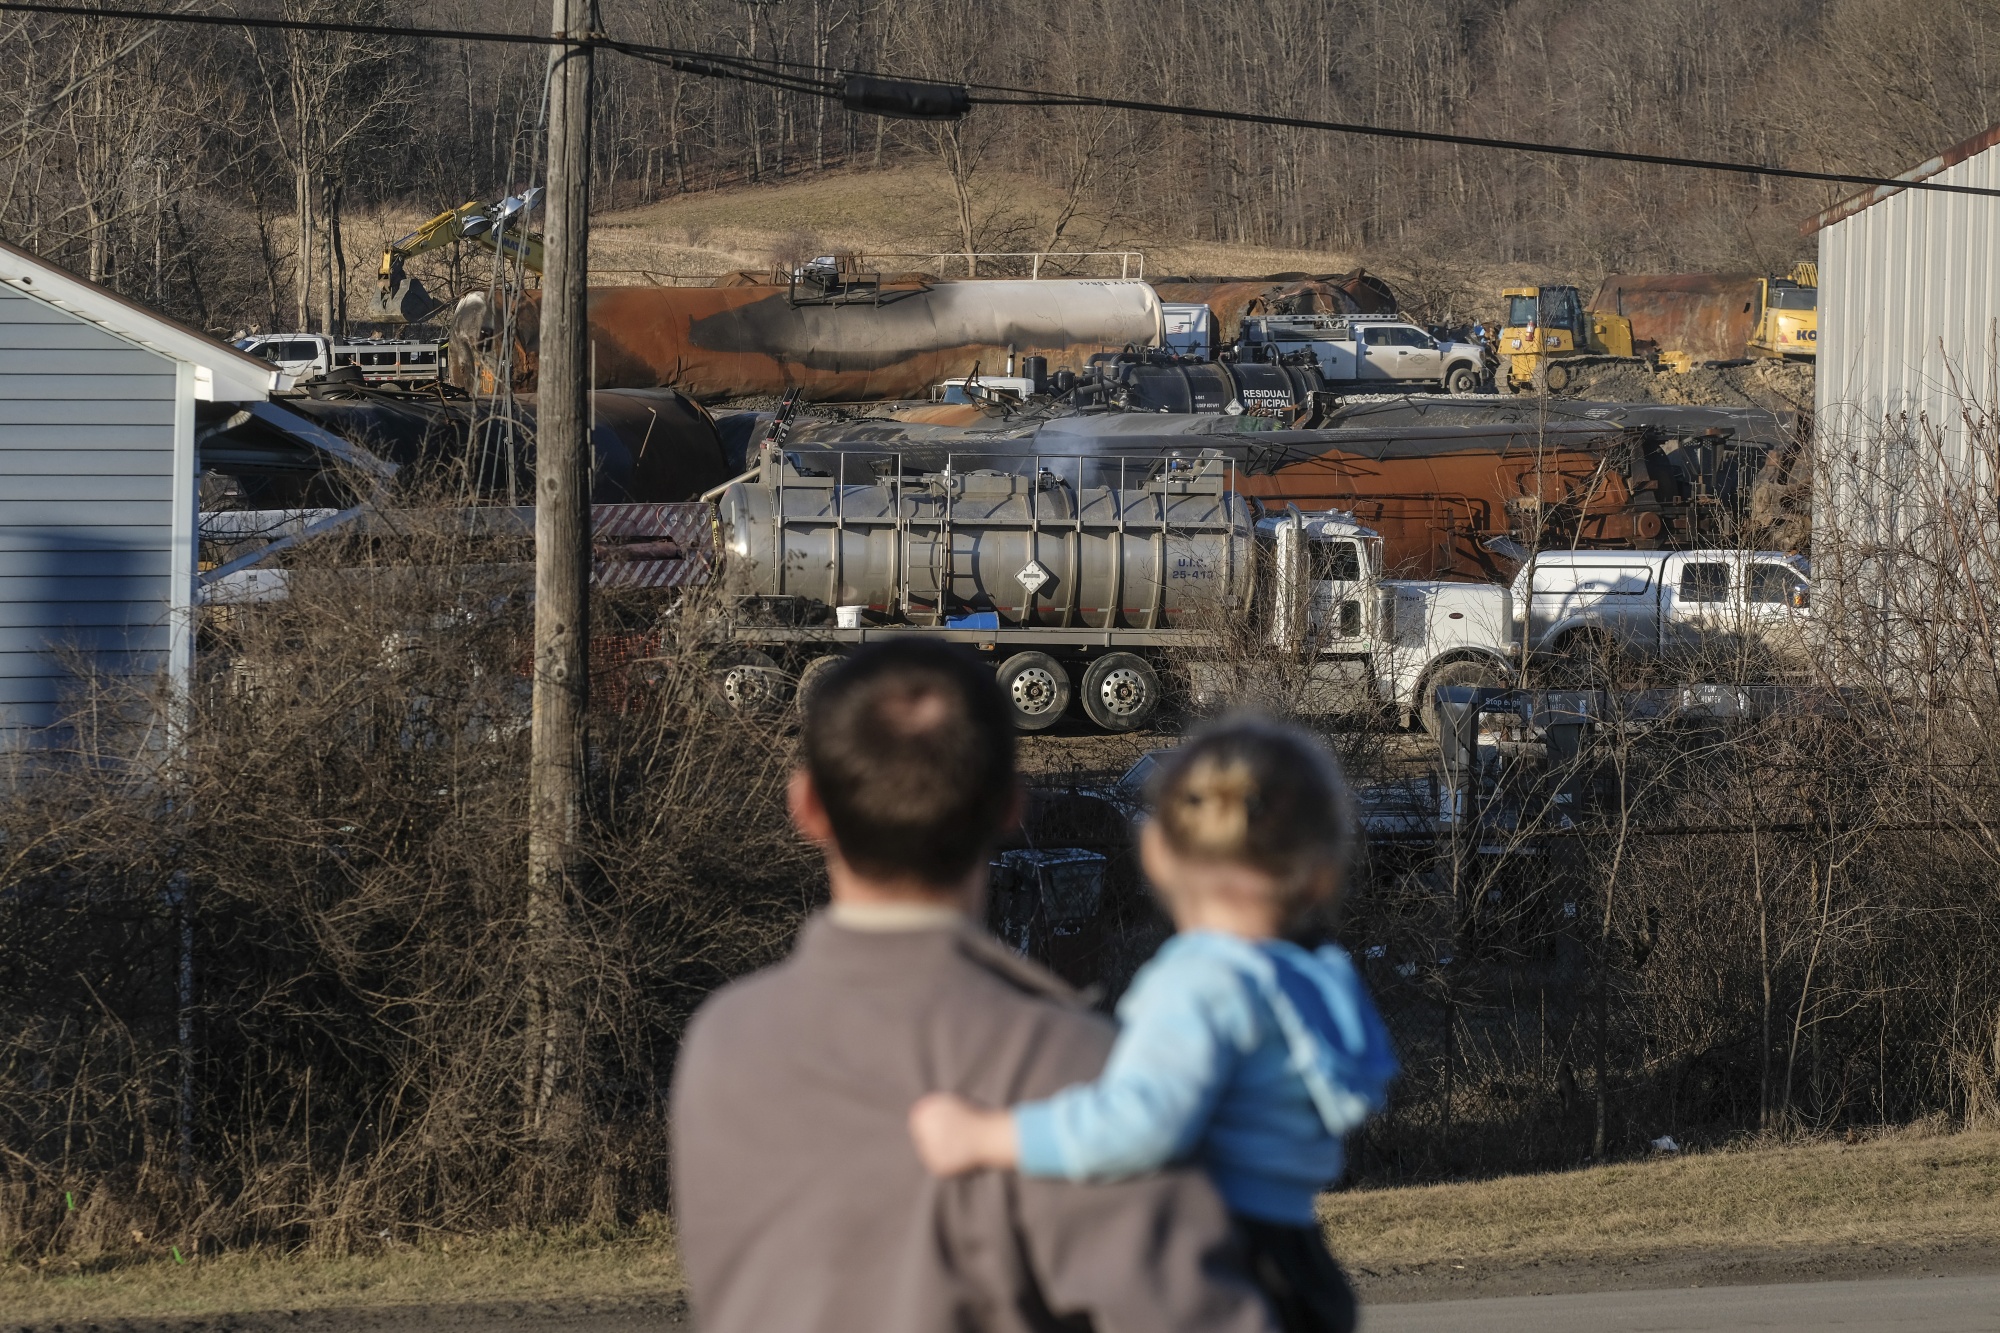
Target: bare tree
(324,96)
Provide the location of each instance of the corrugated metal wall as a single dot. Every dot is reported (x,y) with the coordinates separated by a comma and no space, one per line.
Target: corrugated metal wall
(87,514)
(1909,291)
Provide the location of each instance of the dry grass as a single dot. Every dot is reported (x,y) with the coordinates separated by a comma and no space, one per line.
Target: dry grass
(745,226)
(565,1266)
(903,209)
(1901,1190)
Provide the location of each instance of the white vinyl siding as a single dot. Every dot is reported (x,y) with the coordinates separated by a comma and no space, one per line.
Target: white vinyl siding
(1909,291)
(88,519)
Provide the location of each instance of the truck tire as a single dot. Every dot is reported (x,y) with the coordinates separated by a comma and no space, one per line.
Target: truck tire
(1467,671)
(1037,689)
(1584,660)
(1461,379)
(811,677)
(1121,692)
(750,681)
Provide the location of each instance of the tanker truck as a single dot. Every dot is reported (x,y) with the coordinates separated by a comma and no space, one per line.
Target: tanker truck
(1080,585)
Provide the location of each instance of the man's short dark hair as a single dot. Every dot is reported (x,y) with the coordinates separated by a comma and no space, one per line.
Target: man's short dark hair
(911,748)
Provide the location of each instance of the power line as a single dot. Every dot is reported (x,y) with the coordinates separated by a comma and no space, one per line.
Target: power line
(927,98)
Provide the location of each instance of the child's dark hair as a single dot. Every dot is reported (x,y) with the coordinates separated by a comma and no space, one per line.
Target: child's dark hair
(1257,792)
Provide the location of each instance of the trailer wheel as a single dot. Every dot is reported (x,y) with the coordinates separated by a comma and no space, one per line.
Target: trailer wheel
(1121,692)
(1461,379)
(1467,671)
(811,677)
(1037,689)
(750,681)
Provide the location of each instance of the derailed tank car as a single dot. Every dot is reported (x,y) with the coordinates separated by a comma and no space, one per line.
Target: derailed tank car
(850,343)
(647,446)
(1450,501)
(1284,392)
(1457,502)
(1230,299)
(1709,316)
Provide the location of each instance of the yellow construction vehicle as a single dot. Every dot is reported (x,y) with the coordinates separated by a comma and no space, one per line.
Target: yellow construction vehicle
(492,227)
(1548,326)
(1788,315)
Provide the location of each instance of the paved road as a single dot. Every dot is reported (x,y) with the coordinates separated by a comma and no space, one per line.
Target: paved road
(1902,1305)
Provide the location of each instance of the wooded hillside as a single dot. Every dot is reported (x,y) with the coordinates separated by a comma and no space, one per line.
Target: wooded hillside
(211,169)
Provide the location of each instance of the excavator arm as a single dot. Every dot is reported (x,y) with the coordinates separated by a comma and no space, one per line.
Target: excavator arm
(402,299)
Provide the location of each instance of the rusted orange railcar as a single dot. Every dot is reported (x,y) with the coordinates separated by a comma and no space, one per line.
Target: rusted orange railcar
(856,344)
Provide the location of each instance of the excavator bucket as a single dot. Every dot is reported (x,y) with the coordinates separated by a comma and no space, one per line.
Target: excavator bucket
(408,304)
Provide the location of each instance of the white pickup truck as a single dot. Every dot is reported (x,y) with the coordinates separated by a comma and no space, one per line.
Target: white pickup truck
(405,362)
(1366,351)
(1705,611)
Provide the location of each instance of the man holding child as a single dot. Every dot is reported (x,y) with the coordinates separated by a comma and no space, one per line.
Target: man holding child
(844,1158)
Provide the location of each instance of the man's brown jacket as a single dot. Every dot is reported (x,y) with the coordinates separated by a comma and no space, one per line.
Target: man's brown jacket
(802,1208)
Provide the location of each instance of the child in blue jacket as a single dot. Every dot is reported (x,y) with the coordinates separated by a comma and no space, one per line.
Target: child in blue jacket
(1236,1047)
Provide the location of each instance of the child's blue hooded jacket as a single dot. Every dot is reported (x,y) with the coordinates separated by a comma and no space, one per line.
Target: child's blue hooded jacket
(1253,1057)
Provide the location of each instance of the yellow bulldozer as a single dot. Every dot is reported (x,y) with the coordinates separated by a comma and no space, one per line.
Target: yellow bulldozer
(495,228)
(1673,321)
(1547,329)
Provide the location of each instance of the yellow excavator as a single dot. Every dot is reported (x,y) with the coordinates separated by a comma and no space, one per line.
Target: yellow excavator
(1547,326)
(1788,315)
(492,227)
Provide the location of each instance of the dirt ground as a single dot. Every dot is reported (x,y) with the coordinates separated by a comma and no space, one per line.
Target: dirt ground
(1776,385)
(1076,750)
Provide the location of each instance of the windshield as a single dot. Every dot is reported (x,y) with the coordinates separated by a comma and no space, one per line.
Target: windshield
(1777,583)
(1334,561)
(1794,298)
(1141,772)
(1520,311)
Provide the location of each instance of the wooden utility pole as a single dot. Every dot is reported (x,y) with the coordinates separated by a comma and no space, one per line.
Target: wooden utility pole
(562,562)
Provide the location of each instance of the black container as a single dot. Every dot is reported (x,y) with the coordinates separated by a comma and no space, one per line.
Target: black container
(1282,392)
(1035,369)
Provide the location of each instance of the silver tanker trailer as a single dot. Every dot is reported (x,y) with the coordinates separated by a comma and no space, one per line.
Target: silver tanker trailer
(1072,587)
